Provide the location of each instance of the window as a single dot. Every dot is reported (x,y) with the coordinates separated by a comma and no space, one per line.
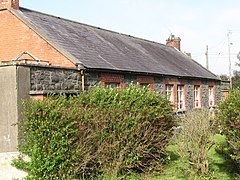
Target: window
(112,80)
(169,92)
(144,85)
(211,96)
(145,81)
(197,102)
(180,97)
(112,84)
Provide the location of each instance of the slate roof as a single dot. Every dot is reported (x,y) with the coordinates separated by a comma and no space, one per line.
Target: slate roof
(97,48)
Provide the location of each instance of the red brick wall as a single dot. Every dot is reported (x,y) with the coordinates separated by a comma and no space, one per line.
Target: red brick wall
(112,78)
(9,4)
(38,97)
(175,44)
(17,37)
(146,80)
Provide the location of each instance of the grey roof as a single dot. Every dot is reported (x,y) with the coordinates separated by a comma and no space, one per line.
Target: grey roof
(97,48)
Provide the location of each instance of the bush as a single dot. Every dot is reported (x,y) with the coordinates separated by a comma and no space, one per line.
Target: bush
(229,121)
(195,140)
(103,131)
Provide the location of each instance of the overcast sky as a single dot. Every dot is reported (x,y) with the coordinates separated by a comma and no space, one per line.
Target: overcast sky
(197,23)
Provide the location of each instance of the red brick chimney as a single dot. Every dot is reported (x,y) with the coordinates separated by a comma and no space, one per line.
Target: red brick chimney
(174,42)
(9,4)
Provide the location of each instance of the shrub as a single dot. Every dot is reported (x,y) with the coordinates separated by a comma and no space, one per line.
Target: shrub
(195,140)
(103,131)
(229,121)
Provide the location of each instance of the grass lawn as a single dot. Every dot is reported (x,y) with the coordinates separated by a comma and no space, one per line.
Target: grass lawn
(220,168)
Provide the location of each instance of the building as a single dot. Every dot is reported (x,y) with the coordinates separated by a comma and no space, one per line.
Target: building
(43,54)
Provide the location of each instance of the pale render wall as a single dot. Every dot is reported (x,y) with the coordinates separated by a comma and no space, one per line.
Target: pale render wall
(8,108)
(23,87)
(14,86)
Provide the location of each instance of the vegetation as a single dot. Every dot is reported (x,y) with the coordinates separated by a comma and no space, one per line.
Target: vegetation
(195,139)
(196,152)
(100,132)
(229,121)
(179,168)
(236,79)
(127,134)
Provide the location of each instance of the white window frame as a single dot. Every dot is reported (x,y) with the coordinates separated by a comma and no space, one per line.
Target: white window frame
(180,97)
(197,100)
(211,99)
(169,92)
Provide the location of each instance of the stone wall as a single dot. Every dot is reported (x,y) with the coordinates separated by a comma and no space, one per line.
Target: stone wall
(158,84)
(69,81)
(54,79)
(205,94)
(219,94)
(189,95)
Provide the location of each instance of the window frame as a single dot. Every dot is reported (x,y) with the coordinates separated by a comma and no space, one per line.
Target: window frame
(181,102)
(169,92)
(197,96)
(211,96)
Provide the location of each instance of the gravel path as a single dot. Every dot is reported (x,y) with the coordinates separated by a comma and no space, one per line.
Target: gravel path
(8,172)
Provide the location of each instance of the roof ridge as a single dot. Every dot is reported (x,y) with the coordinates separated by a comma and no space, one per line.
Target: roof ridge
(92,26)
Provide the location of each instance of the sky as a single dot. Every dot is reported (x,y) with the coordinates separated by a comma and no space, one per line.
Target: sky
(212,23)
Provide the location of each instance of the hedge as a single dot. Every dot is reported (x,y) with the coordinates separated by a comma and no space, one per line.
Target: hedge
(229,121)
(102,131)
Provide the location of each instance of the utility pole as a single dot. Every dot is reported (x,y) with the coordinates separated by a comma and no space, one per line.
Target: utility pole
(206,56)
(229,58)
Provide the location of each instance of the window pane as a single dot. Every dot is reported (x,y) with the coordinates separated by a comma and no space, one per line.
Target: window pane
(169,92)
(112,85)
(197,96)
(180,97)
(211,96)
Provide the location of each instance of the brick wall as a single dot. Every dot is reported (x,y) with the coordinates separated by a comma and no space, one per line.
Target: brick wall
(148,80)
(9,4)
(17,37)
(112,78)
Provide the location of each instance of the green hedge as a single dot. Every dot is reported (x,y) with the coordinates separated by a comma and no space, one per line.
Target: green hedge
(229,120)
(102,131)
